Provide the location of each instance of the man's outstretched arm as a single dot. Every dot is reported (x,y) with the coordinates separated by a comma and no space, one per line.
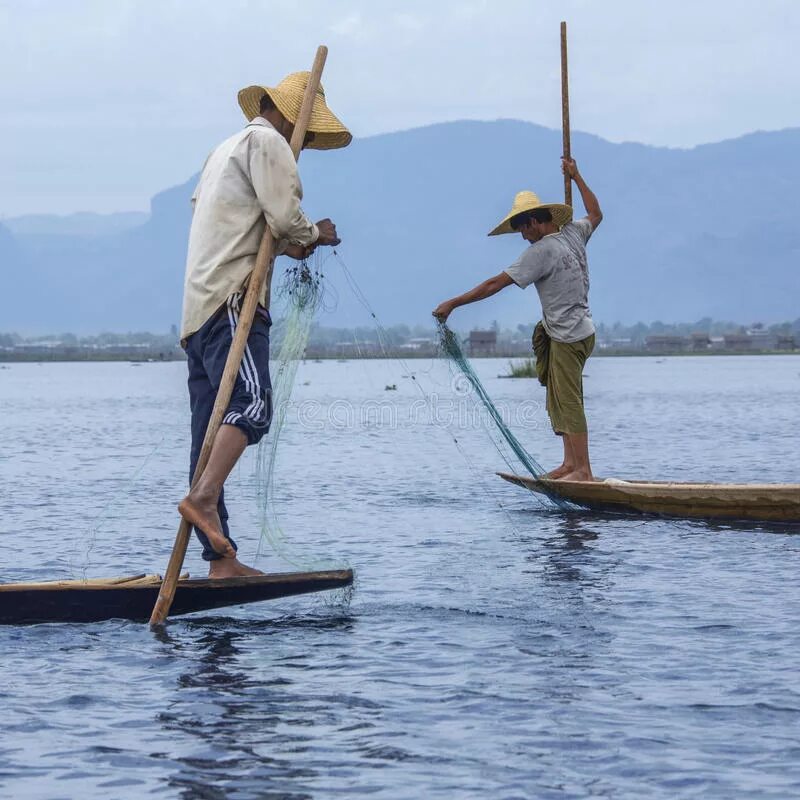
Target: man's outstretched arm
(569,167)
(480,292)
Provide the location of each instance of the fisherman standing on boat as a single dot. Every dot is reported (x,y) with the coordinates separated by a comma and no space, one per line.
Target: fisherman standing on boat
(556,264)
(249,181)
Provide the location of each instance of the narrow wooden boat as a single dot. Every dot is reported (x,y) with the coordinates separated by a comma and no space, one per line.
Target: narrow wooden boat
(133,597)
(763,502)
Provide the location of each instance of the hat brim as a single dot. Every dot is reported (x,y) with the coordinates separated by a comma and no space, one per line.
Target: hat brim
(329,132)
(562,214)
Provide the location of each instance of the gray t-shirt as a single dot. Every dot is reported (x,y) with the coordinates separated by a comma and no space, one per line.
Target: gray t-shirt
(557,265)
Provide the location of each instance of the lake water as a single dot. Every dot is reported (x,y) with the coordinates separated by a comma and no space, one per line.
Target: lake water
(491,648)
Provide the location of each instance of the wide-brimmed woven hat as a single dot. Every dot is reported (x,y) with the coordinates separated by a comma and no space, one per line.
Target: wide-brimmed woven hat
(329,133)
(527,201)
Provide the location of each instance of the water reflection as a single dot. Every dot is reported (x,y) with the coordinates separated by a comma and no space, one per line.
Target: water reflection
(575,530)
(568,550)
(743,526)
(245,720)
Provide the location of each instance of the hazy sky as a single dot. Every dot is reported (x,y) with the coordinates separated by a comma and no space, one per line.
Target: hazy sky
(105,102)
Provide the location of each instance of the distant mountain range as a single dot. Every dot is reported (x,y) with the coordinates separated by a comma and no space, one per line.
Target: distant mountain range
(706,232)
(84,223)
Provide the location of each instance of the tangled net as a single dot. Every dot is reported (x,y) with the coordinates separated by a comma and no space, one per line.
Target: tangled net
(303,292)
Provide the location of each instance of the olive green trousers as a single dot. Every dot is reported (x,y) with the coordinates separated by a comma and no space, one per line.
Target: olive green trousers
(559,367)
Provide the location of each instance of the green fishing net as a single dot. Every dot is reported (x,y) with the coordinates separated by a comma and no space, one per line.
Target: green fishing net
(496,429)
(451,347)
(302,292)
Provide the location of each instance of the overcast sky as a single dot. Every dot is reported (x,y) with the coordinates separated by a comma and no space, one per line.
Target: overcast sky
(105,102)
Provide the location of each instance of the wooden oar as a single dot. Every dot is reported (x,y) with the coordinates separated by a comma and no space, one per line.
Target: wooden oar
(262,273)
(565,112)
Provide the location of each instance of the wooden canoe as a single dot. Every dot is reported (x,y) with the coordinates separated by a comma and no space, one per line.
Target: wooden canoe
(763,502)
(134,597)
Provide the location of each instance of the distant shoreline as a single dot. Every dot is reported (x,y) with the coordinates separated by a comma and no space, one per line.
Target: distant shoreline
(72,358)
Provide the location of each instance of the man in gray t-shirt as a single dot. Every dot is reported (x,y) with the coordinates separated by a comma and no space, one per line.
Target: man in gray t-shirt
(556,264)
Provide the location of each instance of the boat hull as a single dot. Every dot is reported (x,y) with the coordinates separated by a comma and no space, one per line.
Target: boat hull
(765,502)
(134,598)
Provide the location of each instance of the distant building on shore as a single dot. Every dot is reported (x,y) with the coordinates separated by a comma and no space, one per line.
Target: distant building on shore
(755,340)
(738,342)
(420,344)
(482,343)
(699,342)
(666,343)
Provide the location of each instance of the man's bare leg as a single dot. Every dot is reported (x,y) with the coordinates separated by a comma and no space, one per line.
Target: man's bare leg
(567,465)
(200,506)
(579,444)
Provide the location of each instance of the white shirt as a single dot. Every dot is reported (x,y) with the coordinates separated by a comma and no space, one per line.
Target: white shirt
(248,182)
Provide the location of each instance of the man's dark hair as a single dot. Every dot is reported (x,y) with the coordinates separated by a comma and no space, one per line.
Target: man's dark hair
(521,220)
(266,104)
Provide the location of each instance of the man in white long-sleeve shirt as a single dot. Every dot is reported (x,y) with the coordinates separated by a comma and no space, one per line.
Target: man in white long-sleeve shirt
(248,182)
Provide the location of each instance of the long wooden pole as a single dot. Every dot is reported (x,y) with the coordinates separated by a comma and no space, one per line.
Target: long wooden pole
(565,112)
(261,275)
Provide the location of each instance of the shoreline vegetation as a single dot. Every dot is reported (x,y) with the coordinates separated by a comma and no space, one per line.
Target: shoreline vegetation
(704,337)
(525,369)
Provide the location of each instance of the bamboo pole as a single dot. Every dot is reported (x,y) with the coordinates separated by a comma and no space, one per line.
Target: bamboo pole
(261,276)
(565,112)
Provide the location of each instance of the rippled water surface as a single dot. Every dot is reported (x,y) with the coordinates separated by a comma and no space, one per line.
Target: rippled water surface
(491,647)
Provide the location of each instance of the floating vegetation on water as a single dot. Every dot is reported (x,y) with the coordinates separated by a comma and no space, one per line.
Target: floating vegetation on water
(525,369)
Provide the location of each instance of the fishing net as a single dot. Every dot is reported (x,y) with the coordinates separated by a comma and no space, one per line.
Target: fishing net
(302,292)
(497,430)
(451,348)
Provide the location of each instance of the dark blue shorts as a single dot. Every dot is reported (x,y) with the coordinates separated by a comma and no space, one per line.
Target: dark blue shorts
(250,407)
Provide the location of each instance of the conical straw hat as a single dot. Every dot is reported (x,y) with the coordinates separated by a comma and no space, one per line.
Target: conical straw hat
(329,133)
(527,201)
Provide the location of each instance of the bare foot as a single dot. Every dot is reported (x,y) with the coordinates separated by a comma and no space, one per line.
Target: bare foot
(230,568)
(558,472)
(578,475)
(203,514)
